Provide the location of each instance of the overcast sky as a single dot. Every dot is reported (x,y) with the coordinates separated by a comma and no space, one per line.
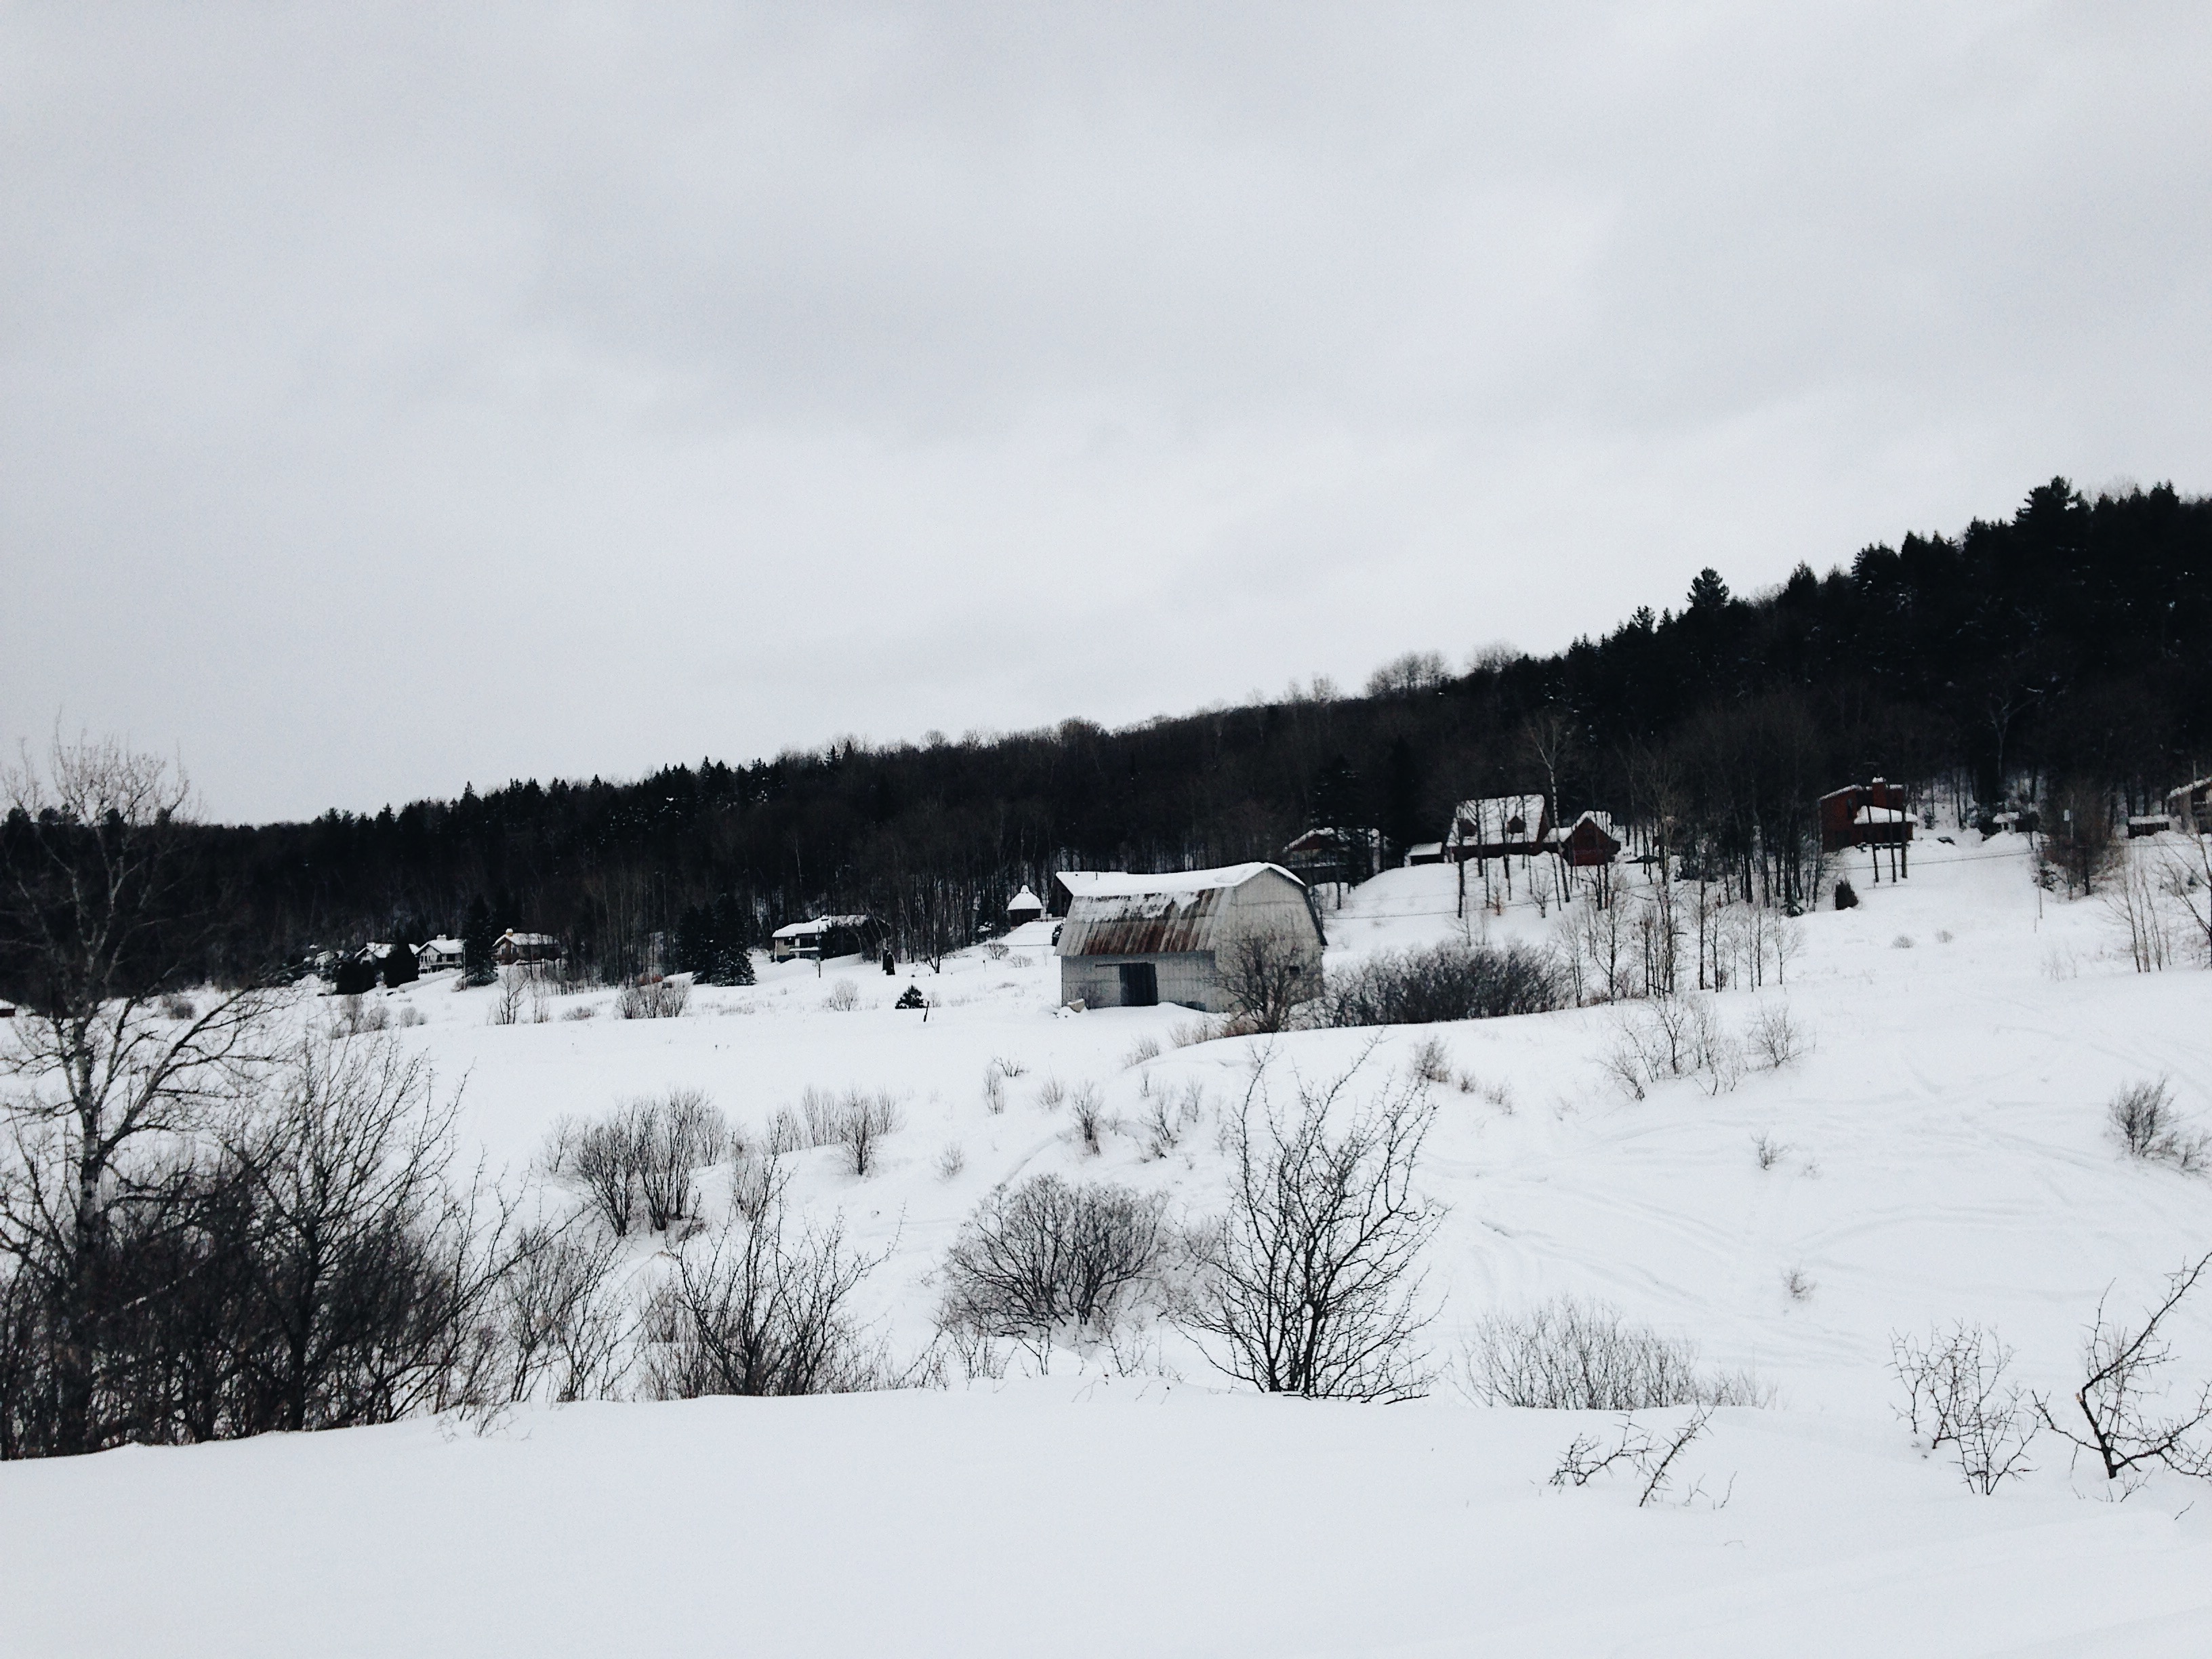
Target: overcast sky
(396,398)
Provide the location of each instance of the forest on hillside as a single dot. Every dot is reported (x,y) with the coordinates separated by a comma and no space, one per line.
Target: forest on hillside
(2062,650)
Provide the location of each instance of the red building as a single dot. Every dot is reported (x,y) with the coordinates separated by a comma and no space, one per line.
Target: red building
(1864,815)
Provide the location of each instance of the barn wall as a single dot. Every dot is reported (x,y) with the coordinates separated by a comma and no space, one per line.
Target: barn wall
(1271,903)
(1186,977)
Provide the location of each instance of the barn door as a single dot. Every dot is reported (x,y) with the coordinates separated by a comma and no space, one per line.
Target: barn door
(1140,985)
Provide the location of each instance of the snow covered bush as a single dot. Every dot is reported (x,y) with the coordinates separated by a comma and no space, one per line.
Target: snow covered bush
(1569,1355)
(1311,1282)
(1445,983)
(638,1163)
(1053,1257)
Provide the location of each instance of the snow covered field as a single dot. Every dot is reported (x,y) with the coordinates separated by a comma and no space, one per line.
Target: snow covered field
(1942,1154)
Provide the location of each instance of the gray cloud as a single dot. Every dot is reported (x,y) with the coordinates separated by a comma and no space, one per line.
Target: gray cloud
(405,396)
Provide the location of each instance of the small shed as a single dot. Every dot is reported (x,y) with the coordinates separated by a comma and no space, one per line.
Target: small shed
(1587,842)
(2189,808)
(823,937)
(1132,941)
(1024,906)
(1426,852)
(1864,815)
(2140,824)
(1498,826)
(434,955)
(514,949)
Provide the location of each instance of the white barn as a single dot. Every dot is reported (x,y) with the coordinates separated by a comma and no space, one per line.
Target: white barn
(1131,941)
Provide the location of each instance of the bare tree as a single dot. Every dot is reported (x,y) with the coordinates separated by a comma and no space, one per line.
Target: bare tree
(857,1120)
(1313,1282)
(2124,1422)
(564,1332)
(96,919)
(1266,974)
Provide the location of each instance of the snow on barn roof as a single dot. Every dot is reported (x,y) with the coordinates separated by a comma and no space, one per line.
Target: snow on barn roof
(1490,821)
(1025,900)
(1117,914)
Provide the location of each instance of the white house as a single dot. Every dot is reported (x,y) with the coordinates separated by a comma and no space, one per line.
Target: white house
(437,954)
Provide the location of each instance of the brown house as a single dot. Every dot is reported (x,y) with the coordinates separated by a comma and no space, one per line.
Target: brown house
(1864,815)
(1499,826)
(1588,842)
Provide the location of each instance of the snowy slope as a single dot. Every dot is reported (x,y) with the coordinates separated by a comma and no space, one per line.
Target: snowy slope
(1946,1156)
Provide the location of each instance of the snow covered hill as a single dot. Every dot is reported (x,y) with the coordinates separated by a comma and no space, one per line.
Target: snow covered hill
(1939,1151)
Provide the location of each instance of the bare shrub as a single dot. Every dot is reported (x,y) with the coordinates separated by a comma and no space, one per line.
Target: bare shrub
(786,1133)
(660,998)
(1090,1109)
(998,949)
(1431,1061)
(758,1177)
(1188,1034)
(856,1119)
(1956,1395)
(2126,1424)
(1446,983)
(844,997)
(1767,1149)
(1673,1037)
(1312,1283)
(1775,1039)
(2137,903)
(411,1016)
(1649,1458)
(994,1091)
(1902,942)
(2143,1118)
(1568,1355)
(1007,1067)
(951,1161)
(1171,1118)
(1052,1094)
(581,1011)
(563,1332)
(762,1307)
(175,1007)
(1052,1257)
(638,1163)
(506,1000)
(1797,1284)
(1144,1048)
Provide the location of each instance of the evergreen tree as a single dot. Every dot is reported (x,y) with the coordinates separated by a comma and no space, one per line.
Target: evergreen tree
(479,933)
(400,965)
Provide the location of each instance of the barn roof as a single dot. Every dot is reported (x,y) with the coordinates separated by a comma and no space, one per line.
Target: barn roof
(1117,914)
(1025,900)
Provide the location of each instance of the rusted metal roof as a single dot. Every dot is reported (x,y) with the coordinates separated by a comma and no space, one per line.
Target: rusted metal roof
(1114,915)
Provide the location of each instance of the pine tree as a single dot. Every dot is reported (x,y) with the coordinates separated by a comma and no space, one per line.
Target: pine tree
(479,933)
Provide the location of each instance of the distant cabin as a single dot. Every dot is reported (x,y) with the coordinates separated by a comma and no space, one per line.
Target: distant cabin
(1496,827)
(1587,842)
(1329,854)
(1864,815)
(1025,906)
(2189,808)
(824,937)
(1426,852)
(1132,941)
(437,954)
(514,949)
(2140,825)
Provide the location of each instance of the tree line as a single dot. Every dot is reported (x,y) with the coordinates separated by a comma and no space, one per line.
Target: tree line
(2060,648)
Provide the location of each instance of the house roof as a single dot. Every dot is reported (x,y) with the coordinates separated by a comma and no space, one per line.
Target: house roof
(510,936)
(442,946)
(1488,821)
(1877,815)
(1601,822)
(1117,914)
(1025,900)
(819,925)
